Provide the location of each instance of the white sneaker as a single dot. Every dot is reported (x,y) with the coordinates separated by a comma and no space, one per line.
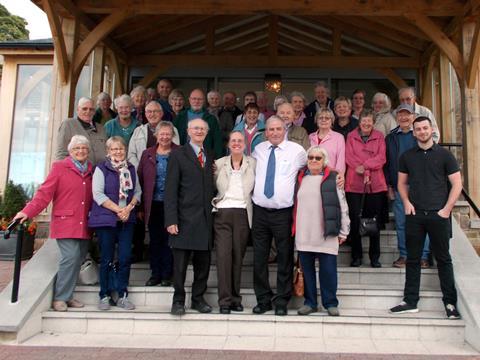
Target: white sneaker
(124,303)
(104,303)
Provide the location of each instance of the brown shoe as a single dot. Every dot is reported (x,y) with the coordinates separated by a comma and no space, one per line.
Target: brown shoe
(74,304)
(59,305)
(424,264)
(400,262)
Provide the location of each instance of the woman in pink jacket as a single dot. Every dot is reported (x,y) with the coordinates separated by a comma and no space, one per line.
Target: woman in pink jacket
(69,187)
(365,157)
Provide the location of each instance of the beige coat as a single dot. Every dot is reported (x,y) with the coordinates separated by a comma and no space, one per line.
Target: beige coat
(70,127)
(222,179)
(299,135)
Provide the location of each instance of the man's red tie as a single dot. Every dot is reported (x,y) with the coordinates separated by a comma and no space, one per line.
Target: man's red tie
(200,157)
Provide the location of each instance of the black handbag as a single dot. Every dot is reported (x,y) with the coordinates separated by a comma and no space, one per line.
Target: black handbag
(368,226)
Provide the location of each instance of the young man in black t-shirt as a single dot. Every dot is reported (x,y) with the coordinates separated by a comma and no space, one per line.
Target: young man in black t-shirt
(425,172)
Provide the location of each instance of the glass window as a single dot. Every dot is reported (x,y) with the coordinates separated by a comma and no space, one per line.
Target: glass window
(30,125)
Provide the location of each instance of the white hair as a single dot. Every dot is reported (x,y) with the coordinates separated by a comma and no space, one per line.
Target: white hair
(78,140)
(318,149)
(123,98)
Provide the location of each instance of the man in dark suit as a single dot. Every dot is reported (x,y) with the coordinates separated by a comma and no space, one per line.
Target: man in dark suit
(188,215)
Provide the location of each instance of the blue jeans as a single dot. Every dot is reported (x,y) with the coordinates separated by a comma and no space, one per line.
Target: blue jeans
(107,238)
(399,213)
(327,275)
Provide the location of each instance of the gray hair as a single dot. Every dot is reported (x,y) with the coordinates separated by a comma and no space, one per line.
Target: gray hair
(318,149)
(139,89)
(206,123)
(213,92)
(123,98)
(407,88)
(274,118)
(342,99)
(102,96)
(176,93)
(285,104)
(385,98)
(279,99)
(83,100)
(322,84)
(163,124)
(324,111)
(115,139)
(298,94)
(78,140)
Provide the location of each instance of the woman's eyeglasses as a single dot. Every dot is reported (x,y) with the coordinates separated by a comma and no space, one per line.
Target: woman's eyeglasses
(316,158)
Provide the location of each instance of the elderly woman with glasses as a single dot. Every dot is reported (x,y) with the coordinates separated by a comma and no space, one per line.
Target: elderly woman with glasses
(176,99)
(116,192)
(139,99)
(69,187)
(384,120)
(320,225)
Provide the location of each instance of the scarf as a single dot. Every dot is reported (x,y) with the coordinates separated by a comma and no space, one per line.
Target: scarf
(81,167)
(125,177)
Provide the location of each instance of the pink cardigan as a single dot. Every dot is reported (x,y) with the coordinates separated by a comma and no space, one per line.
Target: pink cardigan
(372,156)
(334,143)
(71,195)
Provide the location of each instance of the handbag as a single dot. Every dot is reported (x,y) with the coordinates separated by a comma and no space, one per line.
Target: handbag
(298,284)
(88,274)
(368,226)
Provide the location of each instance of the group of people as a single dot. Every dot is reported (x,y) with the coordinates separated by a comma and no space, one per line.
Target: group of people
(213,176)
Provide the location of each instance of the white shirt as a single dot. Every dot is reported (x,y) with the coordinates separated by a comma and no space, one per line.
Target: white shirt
(234,197)
(289,158)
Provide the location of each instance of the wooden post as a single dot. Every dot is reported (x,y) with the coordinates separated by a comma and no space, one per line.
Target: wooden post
(470,120)
(98,65)
(447,118)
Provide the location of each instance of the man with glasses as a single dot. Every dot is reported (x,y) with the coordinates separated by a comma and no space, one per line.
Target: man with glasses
(407,96)
(188,215)
(84,125)
(197,110)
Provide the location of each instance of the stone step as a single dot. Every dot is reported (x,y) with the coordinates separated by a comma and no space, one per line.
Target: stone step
(366,275)
(354,323)
(353,297)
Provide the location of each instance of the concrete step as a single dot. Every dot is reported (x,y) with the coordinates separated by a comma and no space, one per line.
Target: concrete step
(366,275)
(354,323)
(371,297)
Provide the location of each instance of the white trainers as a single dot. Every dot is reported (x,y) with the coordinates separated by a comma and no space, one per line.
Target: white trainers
(104,303)
(124,303)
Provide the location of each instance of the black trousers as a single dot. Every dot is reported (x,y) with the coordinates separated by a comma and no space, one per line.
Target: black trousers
(438,230)
(268,223)
(201,269)
(373,207)
(160,254)
(231,236)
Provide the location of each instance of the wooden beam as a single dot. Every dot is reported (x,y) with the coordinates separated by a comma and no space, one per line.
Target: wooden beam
(98,66)
(394,78)
(273,38)
(95,36)
(90,25)
(58,41)
(337,42)
(447,118)
(446,45)
(242,40)
(474,58)
(118,74)
(305,42)
(236,7)
(401,25)
(426,97)
(364,62)
(152,75)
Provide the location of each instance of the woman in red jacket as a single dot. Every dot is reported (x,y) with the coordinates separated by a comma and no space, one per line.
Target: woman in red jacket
(69,187)
(365,157)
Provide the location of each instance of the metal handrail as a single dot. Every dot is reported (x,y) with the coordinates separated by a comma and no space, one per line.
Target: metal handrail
(18,256)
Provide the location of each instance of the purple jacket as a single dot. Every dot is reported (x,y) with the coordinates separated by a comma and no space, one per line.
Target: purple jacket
(147,173)
(100,216)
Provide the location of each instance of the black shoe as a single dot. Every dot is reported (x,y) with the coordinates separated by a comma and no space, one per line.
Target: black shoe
(236,307)
(281,310)
(224,309)
(356,262)
(153,281)
(202,307)
(376,264)
(452,312)
(262,308)
(178,308)
(166,282)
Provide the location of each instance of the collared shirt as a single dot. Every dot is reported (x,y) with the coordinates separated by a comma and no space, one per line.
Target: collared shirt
(428,172)
(289,159)
(197,149)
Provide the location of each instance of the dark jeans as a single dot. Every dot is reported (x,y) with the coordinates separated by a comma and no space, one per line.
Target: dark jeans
(327,276)
(138,240)
(268,223)
(373,207)
(161,259)
(107,238)
(438,229)
(201,269)
(231,236)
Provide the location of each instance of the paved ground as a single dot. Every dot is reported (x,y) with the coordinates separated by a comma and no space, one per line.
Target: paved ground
(6,273)
(54,353)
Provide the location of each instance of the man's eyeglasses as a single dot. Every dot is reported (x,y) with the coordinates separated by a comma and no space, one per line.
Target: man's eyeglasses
(198,128)
(316,158)
(87,109)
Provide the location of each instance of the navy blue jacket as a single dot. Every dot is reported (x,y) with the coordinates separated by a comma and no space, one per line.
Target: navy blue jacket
(393,146)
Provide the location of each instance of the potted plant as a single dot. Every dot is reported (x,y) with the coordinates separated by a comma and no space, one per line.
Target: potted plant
(14,200)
